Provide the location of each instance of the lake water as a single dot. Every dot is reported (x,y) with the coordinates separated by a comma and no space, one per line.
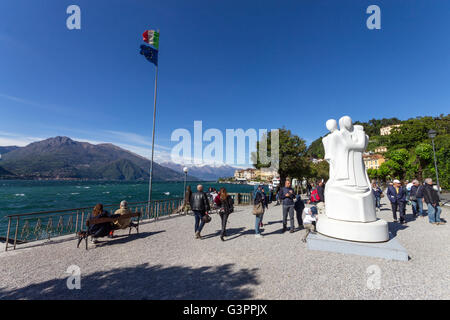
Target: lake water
(19,196)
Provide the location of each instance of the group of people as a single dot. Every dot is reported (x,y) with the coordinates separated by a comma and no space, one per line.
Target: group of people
(414,193)
(107,228)
(200,203)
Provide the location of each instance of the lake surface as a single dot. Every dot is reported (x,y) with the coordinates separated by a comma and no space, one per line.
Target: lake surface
(19,196)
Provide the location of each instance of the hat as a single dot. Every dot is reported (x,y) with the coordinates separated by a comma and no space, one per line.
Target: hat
(313,210)
(396,181)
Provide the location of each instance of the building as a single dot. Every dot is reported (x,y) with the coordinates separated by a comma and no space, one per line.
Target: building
(267,174)
(380,149)
(264,174)
(385,131)
(373,161)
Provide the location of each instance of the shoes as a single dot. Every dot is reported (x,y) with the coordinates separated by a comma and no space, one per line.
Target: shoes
(291,231)
(258,235)
(222,238)
(197,235)
(284,229)
(440,223)
(396,221)
(94,240)
(303,240)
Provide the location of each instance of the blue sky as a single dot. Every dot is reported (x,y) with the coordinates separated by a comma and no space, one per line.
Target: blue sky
(231,64)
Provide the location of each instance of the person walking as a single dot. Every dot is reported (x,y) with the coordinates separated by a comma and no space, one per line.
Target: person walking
(420,201)
(287,196)
(377,192)
(200,206)
(258,202)
(417,211)
(431,198)
(299,206)
(397,196)
(225,204)
(270,193)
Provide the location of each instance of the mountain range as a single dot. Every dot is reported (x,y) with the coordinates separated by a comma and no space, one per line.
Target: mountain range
(204,172)
(64,158)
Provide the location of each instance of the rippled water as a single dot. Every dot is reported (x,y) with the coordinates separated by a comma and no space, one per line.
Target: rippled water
(20,196)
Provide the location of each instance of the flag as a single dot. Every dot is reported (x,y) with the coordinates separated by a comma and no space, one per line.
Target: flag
(150,54)
(151,37)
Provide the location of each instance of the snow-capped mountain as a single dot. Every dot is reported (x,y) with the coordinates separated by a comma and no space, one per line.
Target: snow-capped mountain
(204,172)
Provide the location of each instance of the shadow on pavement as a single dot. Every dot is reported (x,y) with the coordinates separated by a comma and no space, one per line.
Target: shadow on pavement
(145,281)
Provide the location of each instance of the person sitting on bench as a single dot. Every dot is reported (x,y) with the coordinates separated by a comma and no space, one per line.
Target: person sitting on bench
(121,223)
(100,229)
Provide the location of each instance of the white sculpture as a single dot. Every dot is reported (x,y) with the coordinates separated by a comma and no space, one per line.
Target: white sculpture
(349,203)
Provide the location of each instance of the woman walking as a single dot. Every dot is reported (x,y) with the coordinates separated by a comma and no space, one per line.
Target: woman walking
(376,190)
(225,203)
(258,208)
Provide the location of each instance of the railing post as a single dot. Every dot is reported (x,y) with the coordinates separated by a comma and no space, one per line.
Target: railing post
(15,236)
(7,234)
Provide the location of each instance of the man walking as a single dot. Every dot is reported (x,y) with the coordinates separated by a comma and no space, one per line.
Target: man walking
(200,206)
(299,206)
(287,197)
(431,198)
(416,198)
(397,196)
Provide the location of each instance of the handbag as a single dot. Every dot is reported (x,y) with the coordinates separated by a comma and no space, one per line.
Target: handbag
(258,208)
(206,218)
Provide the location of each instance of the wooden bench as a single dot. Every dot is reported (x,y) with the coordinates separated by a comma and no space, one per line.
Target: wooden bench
(85,234)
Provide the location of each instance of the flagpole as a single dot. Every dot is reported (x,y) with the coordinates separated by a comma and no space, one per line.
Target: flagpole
(153,140)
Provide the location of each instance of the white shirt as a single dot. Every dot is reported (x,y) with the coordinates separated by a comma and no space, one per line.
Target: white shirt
(309,218)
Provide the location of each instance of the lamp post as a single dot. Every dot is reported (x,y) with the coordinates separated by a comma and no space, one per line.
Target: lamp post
(185,170)
(432,134)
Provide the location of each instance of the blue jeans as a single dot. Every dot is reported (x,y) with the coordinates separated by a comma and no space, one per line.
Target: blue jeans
(199,223)
(377,202)
(257,221)
(434,213)
(420,207)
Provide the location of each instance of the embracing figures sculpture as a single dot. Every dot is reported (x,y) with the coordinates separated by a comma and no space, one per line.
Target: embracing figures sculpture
(349,203)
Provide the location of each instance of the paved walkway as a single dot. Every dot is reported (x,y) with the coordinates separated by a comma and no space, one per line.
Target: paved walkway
(165,262)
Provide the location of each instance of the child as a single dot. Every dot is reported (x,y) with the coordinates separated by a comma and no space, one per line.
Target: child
(309,222)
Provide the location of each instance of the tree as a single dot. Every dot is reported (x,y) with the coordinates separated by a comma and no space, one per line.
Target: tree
(292,160)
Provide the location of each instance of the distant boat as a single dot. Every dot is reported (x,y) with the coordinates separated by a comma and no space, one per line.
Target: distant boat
(166,193)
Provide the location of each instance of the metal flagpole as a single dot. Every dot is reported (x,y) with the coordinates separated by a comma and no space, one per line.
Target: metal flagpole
(153,140)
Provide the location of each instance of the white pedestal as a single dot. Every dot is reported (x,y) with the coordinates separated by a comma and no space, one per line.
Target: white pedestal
(376,231)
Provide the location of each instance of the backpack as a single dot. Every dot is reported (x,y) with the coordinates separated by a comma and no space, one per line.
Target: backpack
(314,196)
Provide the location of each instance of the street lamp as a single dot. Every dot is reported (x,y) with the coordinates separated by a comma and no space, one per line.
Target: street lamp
(432,134)
(185,170)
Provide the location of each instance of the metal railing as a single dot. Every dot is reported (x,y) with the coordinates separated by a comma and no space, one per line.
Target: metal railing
(34,226)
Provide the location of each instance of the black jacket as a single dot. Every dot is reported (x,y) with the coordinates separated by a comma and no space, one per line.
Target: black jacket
(287,201)
(430,195)
(299,204)
(321,192)
(100,229)
(199,202)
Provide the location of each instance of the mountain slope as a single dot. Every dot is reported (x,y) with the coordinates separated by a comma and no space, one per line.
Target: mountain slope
(64,158)
(206,172)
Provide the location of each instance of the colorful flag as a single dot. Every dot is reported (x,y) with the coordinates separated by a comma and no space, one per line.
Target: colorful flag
(151,37)
(150,54)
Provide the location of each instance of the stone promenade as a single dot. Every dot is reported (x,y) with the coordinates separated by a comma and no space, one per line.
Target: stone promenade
(165,262)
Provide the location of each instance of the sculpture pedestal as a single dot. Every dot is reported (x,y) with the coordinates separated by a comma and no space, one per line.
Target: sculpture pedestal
(376,231)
